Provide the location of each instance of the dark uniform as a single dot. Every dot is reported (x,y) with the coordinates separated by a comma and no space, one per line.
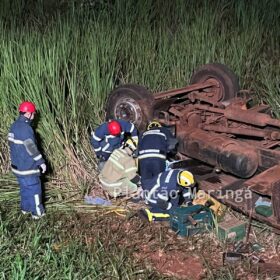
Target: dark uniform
(26,159)
(163,193)
(104,143)
(153,149)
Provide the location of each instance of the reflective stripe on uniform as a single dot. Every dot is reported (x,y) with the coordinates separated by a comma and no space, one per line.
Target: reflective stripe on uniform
(26,172)
(154,132)
(115,157)
(163,197)
(167,179)
(110,136)
(149,151)
(15,140)
(153,190)
(105,147)
(37,204)
(95,137)
(110,184)
(120,153)
(152,156)
(116,163)
(38,157)
(132,128)
(131,169)
(97,149)
(187,194)
(169,206)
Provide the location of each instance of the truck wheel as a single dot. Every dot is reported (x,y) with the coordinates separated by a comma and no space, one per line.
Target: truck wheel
(227,82)
(132,103)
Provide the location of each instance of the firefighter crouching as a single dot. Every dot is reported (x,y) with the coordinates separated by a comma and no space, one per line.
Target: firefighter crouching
(110,136)
(167,191)
(27,162)
(154,144)
(119,174)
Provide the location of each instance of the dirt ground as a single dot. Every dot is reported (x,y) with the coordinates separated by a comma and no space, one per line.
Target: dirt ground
(158,248)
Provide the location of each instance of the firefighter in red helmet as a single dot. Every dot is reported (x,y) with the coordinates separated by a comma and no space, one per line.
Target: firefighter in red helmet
(26,160)
(110,136)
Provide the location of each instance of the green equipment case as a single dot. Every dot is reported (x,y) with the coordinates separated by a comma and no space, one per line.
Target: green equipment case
(191,220)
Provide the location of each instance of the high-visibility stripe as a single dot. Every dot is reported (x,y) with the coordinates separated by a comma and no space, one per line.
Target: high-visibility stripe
(187,194)
(149,151)
(132,127)
(105,147)
(151,131)
(110,184)
(116,163)
(169,206)
(38,157)
(154,132)
(167,179)
(15,140)
(152,156)
(113,156)
(163,197)
(11,135)
(120,153)
(26,172)
(130,169)
(110,136)
(97,149)
(153,190)
(95,137)
(37,204)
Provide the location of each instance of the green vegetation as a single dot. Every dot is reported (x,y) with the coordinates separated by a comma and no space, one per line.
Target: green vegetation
(67,57)
(49,249)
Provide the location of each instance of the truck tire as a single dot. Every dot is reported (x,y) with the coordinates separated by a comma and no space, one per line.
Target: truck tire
(132,103)
(227,80)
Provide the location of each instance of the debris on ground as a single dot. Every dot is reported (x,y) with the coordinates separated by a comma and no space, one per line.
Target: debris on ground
(97,201)
(158,248)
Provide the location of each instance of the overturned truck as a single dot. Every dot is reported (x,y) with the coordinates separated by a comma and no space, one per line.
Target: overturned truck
(231,143)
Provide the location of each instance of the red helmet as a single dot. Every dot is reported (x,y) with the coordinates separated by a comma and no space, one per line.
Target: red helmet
(27,107)
(114,128)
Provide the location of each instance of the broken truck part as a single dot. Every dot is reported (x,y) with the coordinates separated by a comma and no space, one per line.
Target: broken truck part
(219,125)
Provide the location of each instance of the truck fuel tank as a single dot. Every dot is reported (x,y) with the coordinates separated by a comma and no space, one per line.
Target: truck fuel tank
(230,155)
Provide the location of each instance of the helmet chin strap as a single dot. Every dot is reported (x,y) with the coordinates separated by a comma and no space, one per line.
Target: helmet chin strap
(29,118)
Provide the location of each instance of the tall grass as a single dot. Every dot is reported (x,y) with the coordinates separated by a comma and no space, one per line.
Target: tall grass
(68,57)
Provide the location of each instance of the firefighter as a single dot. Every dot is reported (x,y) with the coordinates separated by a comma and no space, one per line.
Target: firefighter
(110,136)
(119,174)
(154,145)
(166,192)
(26,161)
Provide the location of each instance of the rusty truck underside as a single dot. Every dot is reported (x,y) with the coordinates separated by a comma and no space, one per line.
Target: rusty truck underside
(234,141)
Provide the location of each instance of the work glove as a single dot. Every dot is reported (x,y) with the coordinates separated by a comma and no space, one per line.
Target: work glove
(135,179)
(43,167)
(101,157)
(101,164)
(135,154)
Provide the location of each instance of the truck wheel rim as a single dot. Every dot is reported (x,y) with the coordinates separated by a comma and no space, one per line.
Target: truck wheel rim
(128,109)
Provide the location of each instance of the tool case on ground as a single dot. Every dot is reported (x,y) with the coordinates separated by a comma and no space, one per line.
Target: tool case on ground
(191,220)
